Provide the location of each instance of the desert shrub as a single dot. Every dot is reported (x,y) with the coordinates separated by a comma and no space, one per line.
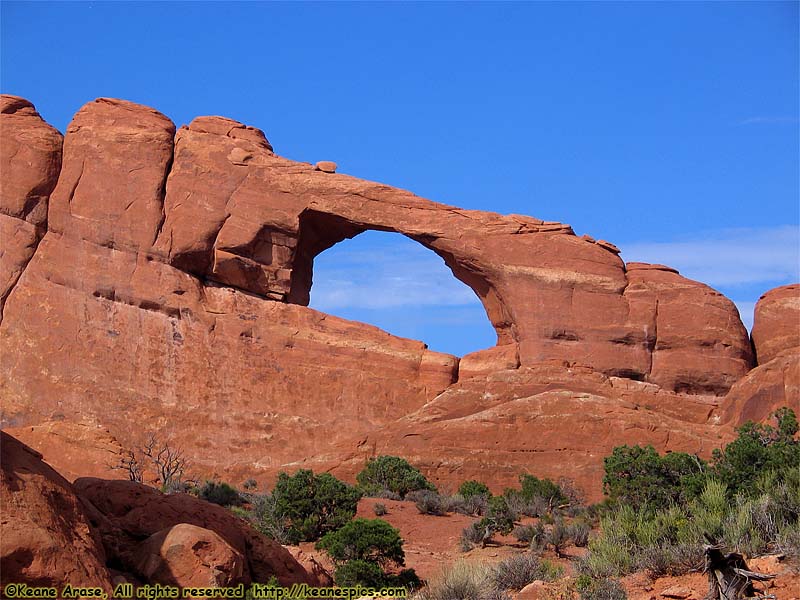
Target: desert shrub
(268,519)
(524,533)
(250,484)
(539,538)
(558,537)
(533,487)
(536,497)
(177,487)
(313,505)
(531,507)
(379,509)
(638,476)
(219,492)
(476,505)
(579,533)
(471,488)
(788,542)
(463,581)
(372,540)
(359,572)
(517,571)
(429,503)
(455,503)
(670,559)
(392,474)
(605,588)
(760,448)
(499,515)
(478,532)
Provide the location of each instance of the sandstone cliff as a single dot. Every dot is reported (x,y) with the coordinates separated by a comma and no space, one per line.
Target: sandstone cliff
(159,280)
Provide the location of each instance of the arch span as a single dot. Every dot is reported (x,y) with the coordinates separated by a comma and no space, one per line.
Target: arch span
(319,231)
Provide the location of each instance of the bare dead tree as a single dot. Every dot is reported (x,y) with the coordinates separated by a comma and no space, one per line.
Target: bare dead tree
(131,465)
(168,461)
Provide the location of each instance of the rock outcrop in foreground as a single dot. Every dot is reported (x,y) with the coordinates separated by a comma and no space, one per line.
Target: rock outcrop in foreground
(54,533)
(155,280)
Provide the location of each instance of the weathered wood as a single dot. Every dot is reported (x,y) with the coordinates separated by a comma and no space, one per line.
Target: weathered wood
(729,578)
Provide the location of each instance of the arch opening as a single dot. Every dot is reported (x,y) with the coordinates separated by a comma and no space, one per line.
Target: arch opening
(389,280)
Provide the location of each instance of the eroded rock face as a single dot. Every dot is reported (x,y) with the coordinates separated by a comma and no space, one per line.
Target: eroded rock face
(171,285)
(30,162)
(776,322)
(132,512)
(553,420)
(47,539)
(775,382)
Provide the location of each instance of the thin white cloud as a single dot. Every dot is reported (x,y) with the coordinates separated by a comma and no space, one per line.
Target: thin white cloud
(390,275)
(735,257)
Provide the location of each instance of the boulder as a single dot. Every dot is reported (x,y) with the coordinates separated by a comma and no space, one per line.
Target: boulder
(46,538)
(189,556)
(132,512)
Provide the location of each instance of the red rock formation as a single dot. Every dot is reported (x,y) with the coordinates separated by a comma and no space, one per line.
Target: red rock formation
(30,161)
(776,322)
(170,288)
(132,511)
(552,420)
(46,537)
(189,556)
(776,380)
(74,449)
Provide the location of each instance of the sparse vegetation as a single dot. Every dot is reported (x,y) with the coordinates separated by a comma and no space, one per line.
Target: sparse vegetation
(219,492)
(391,474)
(605,588)
(749,499)
(464,581)
(516,572)
(156,458)
(428,502)
(379,509)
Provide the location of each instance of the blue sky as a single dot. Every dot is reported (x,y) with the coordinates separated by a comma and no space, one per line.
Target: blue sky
(670,129)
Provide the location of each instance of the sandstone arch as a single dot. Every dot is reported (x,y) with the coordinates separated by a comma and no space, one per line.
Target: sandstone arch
(168,282)
(319,231)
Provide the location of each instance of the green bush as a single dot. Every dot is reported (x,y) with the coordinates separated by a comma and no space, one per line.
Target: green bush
(391,474)
(313,505)
(220,493)
(471,488)
(759,448)
(533,487)
(500,516)
(372,540)
(640,477)
(359,572)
